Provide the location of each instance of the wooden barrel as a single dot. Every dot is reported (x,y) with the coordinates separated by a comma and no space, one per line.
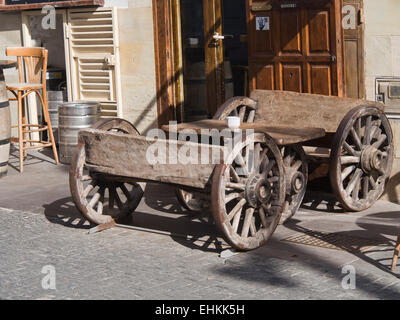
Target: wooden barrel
(5,127)
(196,105)
(73,117)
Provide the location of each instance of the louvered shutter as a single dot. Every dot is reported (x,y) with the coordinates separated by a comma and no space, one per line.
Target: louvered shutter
(94,58)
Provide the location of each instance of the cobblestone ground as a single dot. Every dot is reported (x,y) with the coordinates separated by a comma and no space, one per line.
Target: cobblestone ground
(128,264)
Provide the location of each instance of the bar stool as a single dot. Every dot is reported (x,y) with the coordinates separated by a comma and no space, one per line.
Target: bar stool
(34,62)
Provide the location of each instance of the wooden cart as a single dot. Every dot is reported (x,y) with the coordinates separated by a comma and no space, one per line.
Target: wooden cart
(261,180)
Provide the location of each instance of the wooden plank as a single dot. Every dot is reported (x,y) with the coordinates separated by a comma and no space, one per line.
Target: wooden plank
(126,155)
(282,135)
(299,110)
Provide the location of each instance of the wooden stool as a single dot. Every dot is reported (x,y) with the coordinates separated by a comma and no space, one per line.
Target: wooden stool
(34,61)
(396,253)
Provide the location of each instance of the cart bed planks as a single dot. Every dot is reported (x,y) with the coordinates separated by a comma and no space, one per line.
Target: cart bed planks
(299,110)
(127,155)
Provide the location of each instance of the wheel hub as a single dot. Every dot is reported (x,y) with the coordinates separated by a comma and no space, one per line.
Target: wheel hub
(372,158)
(258,190)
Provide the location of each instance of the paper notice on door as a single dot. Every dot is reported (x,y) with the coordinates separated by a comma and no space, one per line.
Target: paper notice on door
(262,23)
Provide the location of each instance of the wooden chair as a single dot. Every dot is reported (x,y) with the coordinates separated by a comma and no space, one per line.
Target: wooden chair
(396,253)
(32,67)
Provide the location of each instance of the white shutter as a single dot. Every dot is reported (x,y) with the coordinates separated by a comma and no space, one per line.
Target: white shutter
(94,58)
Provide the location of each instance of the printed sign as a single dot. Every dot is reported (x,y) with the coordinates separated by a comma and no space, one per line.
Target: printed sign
(262,23)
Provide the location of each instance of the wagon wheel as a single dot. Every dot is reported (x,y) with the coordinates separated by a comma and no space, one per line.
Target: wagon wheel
(361,158)
(100,198)
(242,107)
(296,176)
(248,192)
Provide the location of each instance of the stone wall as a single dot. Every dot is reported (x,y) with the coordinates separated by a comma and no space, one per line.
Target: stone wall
(382,59)
(137,60)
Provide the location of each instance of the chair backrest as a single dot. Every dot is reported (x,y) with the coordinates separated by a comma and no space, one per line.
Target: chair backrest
(31,60)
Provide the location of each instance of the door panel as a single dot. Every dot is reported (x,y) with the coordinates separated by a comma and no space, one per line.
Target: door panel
(304,44)
(292,77)
(321,80)
(319,31)
(290,32)
(354,50)
(265,77)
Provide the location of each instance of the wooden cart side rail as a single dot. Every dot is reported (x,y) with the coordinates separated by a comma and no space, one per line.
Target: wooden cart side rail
(298,110)
(131,156)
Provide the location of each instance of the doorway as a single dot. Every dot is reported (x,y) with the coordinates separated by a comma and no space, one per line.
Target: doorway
(214,54)
(222,48)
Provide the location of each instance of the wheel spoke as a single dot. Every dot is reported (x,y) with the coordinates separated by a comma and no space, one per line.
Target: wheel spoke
(349,159)
(251,116)
(355,180)
(381,140)
(358,127)
(269,166)
(236,186)
(236,210)
(110,198)
(257,159)
(253,228)
(261,213)
(234,174)
(356,189)
(88,189)
(242,164)
(233,195)
(236,221)
(347,171)
(247,221)
(242,112)
(367,133)
(118,200)
(356,138)
(349,148)
(365,187)
(126,192)
(94,200)
(85,178)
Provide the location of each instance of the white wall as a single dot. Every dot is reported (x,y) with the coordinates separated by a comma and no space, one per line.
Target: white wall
(382,41)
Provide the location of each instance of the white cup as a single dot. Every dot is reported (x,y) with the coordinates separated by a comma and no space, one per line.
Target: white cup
(233,122)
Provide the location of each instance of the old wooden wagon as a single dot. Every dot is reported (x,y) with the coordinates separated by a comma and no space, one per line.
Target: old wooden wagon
(259,182)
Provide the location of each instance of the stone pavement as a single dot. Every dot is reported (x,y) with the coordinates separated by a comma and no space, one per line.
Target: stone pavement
(40,227)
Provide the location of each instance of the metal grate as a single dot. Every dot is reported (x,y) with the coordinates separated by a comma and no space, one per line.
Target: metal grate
(336,241)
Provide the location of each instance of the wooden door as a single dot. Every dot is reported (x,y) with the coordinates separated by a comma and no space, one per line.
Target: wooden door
(214,54)
(296,45)
(353,25)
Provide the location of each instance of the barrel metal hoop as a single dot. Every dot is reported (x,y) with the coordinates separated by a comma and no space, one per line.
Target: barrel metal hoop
(4,104)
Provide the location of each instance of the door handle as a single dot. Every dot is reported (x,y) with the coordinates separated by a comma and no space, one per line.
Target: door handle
(217,36)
